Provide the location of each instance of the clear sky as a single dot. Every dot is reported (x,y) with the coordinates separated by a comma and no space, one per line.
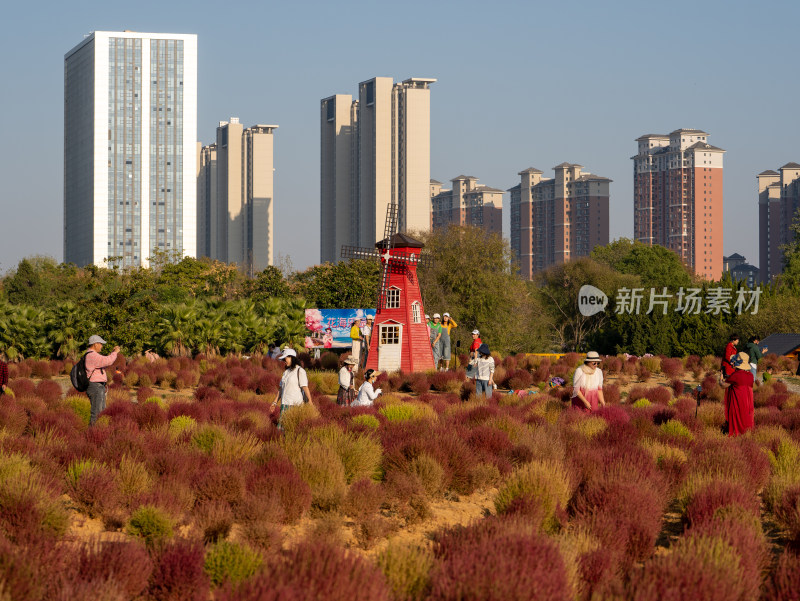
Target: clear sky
(520,84)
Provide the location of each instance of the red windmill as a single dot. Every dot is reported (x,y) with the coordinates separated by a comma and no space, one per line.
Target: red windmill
(399,335)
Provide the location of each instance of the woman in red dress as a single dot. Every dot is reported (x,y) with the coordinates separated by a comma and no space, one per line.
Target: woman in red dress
(739,396)
(730,351)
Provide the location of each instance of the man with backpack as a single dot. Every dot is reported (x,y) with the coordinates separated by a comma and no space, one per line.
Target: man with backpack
(96,365)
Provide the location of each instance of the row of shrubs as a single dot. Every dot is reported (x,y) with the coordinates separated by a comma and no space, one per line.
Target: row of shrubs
(199,493)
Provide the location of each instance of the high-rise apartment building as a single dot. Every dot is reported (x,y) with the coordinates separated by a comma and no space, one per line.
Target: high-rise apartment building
(374,151)
(778,203)
(235,187)
(557,220)
(130,134)
(467,203)
(677,197)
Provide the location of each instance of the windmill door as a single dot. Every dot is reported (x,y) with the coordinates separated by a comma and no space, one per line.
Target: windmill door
(389,345)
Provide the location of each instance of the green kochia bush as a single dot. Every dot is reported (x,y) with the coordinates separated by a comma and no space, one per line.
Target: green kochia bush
(230,562)
(151,524)
(543,487)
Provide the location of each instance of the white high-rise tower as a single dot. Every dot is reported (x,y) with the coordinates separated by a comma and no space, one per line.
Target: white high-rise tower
(130,135)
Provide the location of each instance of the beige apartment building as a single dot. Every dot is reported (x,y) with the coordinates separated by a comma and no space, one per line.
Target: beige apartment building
(467,203)
(235,187)
(778,203)
(677,197)
(374,151)
(555,220)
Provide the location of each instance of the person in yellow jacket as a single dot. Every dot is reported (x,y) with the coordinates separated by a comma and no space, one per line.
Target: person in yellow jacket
(447,325)
(355,337)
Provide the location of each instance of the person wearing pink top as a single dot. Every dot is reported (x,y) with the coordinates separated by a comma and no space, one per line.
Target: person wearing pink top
(96,365)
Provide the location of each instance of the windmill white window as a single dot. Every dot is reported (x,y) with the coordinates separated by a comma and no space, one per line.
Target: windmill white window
(416,314)
(390,334)
(393,298)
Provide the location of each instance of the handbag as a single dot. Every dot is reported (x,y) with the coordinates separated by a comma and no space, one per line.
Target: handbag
(302,392)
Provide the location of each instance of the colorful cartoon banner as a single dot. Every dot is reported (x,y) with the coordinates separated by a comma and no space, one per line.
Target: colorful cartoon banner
(330,328)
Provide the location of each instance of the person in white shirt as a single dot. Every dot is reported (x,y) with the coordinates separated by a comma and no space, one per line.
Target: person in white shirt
(367,393)
(347,390)
(587,384)
(293,389)
(484,372)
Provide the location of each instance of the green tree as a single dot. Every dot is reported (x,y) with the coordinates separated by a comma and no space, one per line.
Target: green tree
(558,289)
(655,265)
(268,283)
(472,279)
(25,286)
(344,285)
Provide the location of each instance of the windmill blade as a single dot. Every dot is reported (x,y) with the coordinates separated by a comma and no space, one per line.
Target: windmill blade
(359,252)
(390,227)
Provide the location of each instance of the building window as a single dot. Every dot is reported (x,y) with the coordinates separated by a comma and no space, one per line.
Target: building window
(392,298)
(390,334)
(416,316)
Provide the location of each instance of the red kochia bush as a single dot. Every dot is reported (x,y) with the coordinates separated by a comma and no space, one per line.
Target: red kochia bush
(788,511)
(22,387)
(49,391)
(313,571)
(611,394)
(659,394)
(149,415)
(671,368)
(749,542)
(784,583)
(613,413)
(497,560)
(279,477)
(179,575)
(127,564)
(718,494)
(677,387)
(624,516)
(143,393)
(679,576)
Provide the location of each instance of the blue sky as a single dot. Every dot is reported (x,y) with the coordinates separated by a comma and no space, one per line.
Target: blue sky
(520,84)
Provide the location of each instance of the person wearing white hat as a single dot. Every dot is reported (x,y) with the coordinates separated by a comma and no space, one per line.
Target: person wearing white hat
(587,384)
(293,390)
(96,365)
(447,325)
(367,393)
(436,338)
(347,389)
(476,344)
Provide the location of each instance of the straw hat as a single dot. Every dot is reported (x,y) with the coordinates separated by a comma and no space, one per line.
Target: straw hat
(744,363)
(592,357)
(350,360)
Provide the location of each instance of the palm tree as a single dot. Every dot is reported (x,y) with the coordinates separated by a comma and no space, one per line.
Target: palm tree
(175,330)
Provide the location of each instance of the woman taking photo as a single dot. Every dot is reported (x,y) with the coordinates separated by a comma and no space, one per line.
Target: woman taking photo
(347,389)
(739,396)
(587,384)
(447,325)
(367,393)
(293,390)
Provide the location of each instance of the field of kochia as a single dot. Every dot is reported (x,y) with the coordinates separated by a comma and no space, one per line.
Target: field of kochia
(185,489)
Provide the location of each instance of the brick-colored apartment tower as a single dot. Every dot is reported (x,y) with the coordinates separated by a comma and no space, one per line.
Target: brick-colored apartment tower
(778,203)
(677,197)
(467,203)
(559,219)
